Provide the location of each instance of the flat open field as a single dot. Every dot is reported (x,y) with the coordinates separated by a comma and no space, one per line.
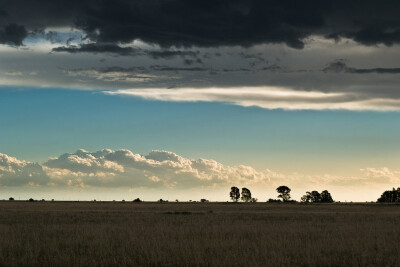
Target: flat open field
(191,234)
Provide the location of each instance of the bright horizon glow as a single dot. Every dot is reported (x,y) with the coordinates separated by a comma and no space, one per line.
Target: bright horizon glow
(87,175)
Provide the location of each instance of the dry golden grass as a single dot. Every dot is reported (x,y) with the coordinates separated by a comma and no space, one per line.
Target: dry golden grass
(198,234)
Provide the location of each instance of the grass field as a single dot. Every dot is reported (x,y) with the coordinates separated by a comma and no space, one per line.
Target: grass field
(198,234)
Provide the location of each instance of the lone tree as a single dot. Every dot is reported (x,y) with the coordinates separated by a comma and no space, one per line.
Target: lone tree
(284,192)
(390,196)
(246,195)
(234,194)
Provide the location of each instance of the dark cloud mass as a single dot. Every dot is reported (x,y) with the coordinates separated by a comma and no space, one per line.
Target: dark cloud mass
(206,23)
(339,67)
(126,51)
(98,48)
(13,34)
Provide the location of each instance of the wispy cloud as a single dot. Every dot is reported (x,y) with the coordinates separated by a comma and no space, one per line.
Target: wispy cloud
(267,97)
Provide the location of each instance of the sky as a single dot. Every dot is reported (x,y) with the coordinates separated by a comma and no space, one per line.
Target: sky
(184,99)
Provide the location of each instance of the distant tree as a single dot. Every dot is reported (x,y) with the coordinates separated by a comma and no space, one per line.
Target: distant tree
(31,200)
(246,195)
(137,200)
(313,196)
(284,193)
(390,196)
(316,197)
(253,200)
(11,199)
(203,200)
(306,198)
(234,194)
(326,197)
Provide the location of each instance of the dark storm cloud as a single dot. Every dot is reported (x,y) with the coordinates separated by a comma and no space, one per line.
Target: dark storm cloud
(170,54)
(98,48)
(3,12)
(167,68)
(209,23)
(13,34)
(339,67)
(189,57)
(175,69)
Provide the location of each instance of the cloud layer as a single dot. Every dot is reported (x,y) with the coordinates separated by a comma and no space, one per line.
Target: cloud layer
(269,98)
(123,168)
(308,54)
(209,23)
(162,169)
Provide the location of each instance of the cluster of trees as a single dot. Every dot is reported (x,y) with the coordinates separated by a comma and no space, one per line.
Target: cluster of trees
(284,195)
(390,196)
(245,196)
(316,197)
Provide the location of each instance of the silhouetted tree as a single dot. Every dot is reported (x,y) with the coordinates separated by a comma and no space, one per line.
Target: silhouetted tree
(316,197)
(137,200)
(31,200)
(390,196)
(306,198)
(246,195)
(11,199)
(313,196)
(326,197)
(284,192)
(203,200)
(234,194)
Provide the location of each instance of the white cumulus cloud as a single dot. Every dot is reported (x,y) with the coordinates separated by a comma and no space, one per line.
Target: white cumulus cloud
(163,169)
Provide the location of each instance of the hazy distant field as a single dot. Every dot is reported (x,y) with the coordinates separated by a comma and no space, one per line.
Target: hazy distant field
(190,234)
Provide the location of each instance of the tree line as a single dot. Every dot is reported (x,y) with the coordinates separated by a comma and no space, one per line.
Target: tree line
(283,195)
